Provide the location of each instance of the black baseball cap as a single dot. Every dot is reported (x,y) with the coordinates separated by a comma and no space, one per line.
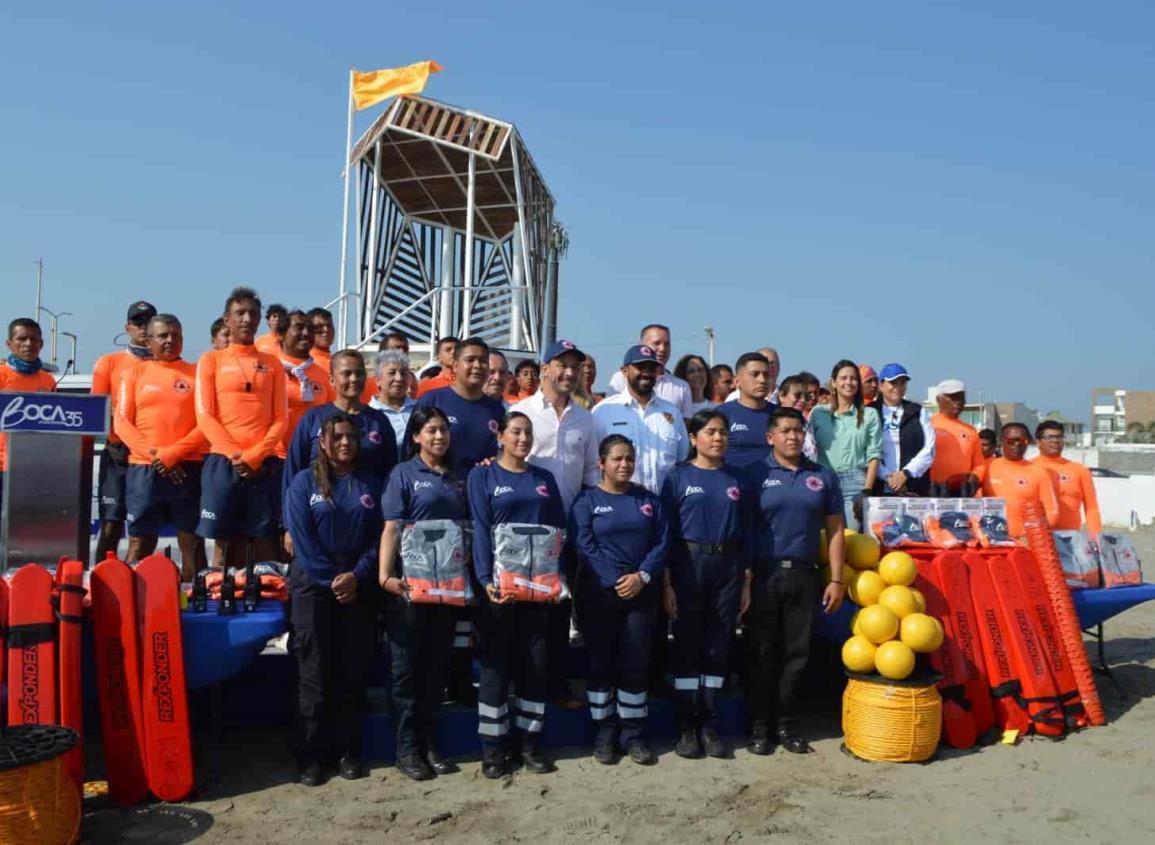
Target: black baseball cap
(141,311)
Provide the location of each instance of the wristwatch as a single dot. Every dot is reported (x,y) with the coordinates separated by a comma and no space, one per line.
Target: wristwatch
(645,576)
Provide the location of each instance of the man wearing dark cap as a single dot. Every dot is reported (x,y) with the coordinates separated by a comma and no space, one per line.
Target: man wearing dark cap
(908,439)
(113,469)
(654,425)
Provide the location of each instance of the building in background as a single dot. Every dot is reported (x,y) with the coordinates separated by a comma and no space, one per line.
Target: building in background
(1119,415)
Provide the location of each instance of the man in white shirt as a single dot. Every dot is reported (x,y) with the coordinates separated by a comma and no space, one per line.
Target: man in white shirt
(565,438)
(654,425)
(771,355)
(392,397)
(668,386)
(907,437)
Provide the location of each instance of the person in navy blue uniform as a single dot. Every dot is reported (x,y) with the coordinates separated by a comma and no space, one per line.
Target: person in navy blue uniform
(473,422)
(378,452)
(796,499)
(749,412)
(423,487)
(333,514)
(707,582)
(622,537)
(512,635)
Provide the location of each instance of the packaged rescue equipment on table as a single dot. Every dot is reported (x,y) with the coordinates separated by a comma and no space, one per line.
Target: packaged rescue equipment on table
(527,562)
(434,563)
(1080,559)
(1119,561)
(950,529)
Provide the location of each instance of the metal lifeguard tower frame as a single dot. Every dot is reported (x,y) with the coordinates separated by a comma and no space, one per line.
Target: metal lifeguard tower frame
(454,231)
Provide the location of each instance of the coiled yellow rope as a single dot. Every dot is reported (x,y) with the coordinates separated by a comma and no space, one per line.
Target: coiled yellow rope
(888,723)
(39,801)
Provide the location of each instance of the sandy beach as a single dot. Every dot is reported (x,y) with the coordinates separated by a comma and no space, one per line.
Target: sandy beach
(1094,786)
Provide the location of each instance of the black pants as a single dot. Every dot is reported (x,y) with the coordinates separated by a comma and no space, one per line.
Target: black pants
(618,634)
(512,648)
(420,641)
(707,585)
(782,607)
(333,644)
(560,615)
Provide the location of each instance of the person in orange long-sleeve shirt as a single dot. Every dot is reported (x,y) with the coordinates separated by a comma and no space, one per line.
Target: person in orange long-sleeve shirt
(241,409)
(23,371)
(112,471)
(156,419)
(270,342)
(1018,481)
(958,454)
(307,385)
(1074,486)
(445,350)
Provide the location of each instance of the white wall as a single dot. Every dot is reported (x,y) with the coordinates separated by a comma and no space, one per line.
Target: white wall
(1127,502)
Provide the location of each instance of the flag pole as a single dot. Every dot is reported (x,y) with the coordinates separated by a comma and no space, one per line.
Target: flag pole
(343,310)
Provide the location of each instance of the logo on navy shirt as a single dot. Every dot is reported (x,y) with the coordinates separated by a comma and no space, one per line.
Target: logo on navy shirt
(493,426)
(815,483)
(422,485)
(501,491)
(734,493)
(542,490)
(316,499)
(367,501)
(771,482)
(692,490)
(452,420)
(738,427)
(646,508)
(603,509)
(374,436)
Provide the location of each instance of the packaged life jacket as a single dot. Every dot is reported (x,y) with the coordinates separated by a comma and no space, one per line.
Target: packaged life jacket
(527,562)
(950,530)
(434,563)
(900,531)
(990,529)
(1079,557)
(1119,561)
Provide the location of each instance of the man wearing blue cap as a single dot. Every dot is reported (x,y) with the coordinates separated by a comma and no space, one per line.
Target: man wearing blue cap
(907,437)
(654,425)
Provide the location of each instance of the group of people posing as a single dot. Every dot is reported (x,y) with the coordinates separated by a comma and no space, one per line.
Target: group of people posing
(683,499)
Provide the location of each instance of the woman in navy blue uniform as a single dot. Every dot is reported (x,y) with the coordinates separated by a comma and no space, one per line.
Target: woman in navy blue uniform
(513,635)
(378,453)
(707,584)
(332,512)
(421,488)
(622,537)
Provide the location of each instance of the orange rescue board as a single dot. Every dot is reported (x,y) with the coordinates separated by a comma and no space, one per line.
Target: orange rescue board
(31,648)
(70,598)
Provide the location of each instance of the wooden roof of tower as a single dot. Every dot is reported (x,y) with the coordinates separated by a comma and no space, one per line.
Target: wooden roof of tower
(425,148)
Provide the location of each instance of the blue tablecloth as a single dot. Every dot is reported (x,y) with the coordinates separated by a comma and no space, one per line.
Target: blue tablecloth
(217,647)
(1096,606)
(1093,607)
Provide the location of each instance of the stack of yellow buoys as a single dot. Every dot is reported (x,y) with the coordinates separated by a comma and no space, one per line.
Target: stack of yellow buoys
(883,716)
(39,799)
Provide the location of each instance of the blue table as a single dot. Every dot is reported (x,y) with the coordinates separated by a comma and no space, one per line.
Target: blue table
(217,647)
(1097,606)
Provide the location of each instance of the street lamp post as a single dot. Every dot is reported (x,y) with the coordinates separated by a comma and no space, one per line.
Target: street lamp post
(709,330)
(72,357)
(52,330)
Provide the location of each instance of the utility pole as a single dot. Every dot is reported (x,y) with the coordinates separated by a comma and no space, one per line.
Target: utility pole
(709,330)
(72,357)
(39,283)
(55,318)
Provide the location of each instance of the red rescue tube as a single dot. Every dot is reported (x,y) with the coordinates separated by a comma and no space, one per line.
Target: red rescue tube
(70,598)
(31,646)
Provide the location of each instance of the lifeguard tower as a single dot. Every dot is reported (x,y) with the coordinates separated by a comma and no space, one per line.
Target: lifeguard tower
(454,231)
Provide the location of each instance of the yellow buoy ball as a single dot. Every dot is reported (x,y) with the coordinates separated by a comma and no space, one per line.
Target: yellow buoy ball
(847,532)
(898,568)
(854,623)
(921,632)
(877,623)
(894,660)
(858,654)
(899,600)
(861,551)
(865,587)
(919,599)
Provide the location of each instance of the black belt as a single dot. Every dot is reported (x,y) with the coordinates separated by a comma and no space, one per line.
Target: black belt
(713,548)
(791,563)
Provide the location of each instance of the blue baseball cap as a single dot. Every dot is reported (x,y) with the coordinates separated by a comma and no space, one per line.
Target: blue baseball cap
(639,355)
(893,372)
(560,347)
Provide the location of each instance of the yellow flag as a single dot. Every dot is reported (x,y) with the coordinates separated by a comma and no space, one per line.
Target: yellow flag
(373,86)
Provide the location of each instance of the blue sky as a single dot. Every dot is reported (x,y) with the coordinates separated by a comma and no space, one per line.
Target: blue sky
(965,188)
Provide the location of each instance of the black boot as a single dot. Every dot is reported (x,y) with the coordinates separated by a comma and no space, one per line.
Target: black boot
(311,775)
(605,748)
(688,745)
(493,763)
(533,760)
(412,766)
